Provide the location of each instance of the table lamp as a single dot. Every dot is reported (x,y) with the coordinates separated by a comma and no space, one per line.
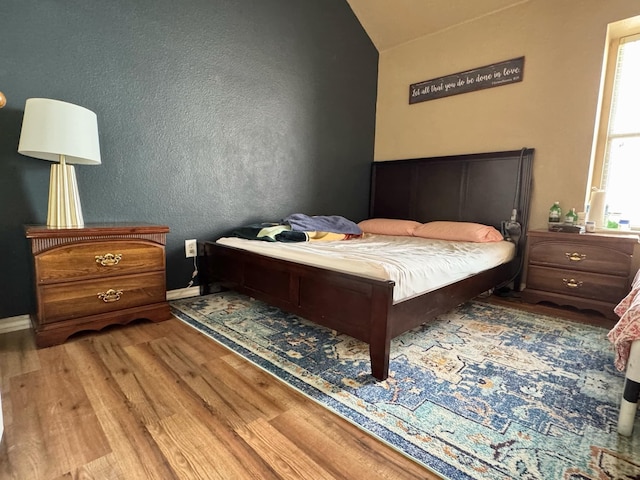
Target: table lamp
(65,133)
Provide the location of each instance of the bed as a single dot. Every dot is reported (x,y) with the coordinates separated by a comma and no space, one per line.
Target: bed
(482,188)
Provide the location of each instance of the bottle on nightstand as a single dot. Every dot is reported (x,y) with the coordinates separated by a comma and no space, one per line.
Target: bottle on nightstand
(555,213)
(571,218)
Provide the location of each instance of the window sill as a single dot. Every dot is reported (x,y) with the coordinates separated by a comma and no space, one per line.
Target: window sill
(617,231)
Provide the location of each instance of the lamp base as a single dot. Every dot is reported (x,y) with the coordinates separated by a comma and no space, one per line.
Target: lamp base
(64,202)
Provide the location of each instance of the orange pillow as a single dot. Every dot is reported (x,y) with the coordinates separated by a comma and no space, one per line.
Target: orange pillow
(458,231)
(389,226)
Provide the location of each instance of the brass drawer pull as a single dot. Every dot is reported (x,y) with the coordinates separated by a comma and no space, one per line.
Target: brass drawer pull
(572,283)
(108,259)
(110,295)
(575,256)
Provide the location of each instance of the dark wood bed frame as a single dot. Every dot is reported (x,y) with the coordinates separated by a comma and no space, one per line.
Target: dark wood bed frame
(480,188)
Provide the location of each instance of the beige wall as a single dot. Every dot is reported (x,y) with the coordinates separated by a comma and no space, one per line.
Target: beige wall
(552,110)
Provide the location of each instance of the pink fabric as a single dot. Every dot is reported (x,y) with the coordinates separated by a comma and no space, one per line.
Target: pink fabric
(389,226)
(458,231)
(628,327)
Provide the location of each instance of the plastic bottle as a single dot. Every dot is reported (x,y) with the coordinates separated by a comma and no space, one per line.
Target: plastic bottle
(571,218)
(555,213)
(613,220)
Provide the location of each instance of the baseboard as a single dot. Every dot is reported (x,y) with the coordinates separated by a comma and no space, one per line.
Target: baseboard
(22,322)
(183,293)
(13,324)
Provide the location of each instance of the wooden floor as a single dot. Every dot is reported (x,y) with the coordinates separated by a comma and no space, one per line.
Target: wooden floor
(161,401)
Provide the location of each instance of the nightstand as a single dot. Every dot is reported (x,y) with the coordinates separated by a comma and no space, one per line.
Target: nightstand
(586,271)
(88,278)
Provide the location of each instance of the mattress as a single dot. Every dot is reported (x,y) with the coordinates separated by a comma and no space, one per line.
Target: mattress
(416,265)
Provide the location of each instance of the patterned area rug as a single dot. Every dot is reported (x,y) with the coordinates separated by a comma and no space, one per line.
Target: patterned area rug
(483,392)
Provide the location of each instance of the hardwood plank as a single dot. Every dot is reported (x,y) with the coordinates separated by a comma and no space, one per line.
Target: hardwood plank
(7,407)
(268,385)
(48,405)
(282,453)
(22,455)
(5,468)
(216,384)
(133,449)
(18,354)
(216,412)
(135,381)
(103,468)
(351,449)
(185,443)
(202,348)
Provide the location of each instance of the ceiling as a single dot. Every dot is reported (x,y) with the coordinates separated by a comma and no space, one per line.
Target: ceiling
(392,22)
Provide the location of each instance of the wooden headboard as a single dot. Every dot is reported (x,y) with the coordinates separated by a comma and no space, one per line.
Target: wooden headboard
(482,188)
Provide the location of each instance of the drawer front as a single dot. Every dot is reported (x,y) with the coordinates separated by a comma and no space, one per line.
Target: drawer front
(98,259)
(65,301)
(606,288)
(582,257)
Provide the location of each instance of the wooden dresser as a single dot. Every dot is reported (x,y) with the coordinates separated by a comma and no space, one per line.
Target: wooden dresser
(99,275)
(586,271)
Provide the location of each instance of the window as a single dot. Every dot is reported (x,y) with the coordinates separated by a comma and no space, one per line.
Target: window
(621,162)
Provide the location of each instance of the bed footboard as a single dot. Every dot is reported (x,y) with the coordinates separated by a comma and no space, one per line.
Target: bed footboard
(352,305)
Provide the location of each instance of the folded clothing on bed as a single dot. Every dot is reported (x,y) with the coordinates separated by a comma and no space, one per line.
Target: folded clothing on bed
(278,232)
(322,223)
(293,236)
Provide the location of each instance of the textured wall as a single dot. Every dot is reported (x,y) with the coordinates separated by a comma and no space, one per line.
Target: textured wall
(212,113)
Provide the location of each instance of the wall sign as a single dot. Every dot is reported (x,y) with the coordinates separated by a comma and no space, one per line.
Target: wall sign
(495,75)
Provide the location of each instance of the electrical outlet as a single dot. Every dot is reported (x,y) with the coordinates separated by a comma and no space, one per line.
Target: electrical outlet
(190,248)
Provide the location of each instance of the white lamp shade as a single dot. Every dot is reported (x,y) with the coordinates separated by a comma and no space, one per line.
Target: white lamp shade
(51,128)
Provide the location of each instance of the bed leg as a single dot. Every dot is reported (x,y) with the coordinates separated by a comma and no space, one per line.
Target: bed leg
(379,348)
(380,331)
(629,401)
(379,364)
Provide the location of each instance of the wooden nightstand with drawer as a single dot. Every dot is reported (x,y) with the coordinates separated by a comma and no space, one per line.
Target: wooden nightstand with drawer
(99,275)
(587,271)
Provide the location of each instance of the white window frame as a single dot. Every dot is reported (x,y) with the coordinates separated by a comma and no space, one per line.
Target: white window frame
(600,161)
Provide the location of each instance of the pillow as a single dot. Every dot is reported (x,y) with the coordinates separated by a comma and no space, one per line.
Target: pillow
(460,231)
(389,226)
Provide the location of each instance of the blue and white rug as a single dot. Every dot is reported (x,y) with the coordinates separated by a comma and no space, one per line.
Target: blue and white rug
(483,392)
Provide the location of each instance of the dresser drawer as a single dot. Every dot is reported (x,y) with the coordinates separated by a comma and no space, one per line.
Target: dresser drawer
(578,256)
(606,288)
(65,301)
(98,259)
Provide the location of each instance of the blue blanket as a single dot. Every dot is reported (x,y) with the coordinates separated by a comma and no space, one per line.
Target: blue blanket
(321,223)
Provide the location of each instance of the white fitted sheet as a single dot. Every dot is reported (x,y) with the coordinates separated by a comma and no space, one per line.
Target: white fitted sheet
(416,265)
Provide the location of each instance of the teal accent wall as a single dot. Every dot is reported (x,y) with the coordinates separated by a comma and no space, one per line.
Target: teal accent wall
(212,114)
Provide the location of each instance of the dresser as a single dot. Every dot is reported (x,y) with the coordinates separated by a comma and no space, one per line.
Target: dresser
(587,271)
(88,278)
